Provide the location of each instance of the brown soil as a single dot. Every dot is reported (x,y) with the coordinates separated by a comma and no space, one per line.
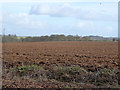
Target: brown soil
(92,56)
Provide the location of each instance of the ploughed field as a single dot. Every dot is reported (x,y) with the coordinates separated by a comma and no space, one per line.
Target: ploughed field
(60,64)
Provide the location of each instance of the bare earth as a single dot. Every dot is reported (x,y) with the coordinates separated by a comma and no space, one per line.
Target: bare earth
(94,57)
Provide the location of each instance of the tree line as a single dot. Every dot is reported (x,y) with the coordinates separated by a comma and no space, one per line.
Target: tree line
(14,38)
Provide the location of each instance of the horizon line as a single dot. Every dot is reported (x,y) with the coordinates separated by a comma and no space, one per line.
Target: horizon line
(59,34)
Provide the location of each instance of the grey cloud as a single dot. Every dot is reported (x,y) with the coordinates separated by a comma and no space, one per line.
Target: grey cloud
(71,11)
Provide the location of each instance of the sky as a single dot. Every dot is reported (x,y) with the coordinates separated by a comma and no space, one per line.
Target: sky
(68,18)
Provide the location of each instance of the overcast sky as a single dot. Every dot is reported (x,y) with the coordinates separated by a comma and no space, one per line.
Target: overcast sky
(69,18)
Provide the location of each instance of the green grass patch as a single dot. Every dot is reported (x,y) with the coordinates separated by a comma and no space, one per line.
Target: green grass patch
(20,37)
(26,68)
(70,69)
